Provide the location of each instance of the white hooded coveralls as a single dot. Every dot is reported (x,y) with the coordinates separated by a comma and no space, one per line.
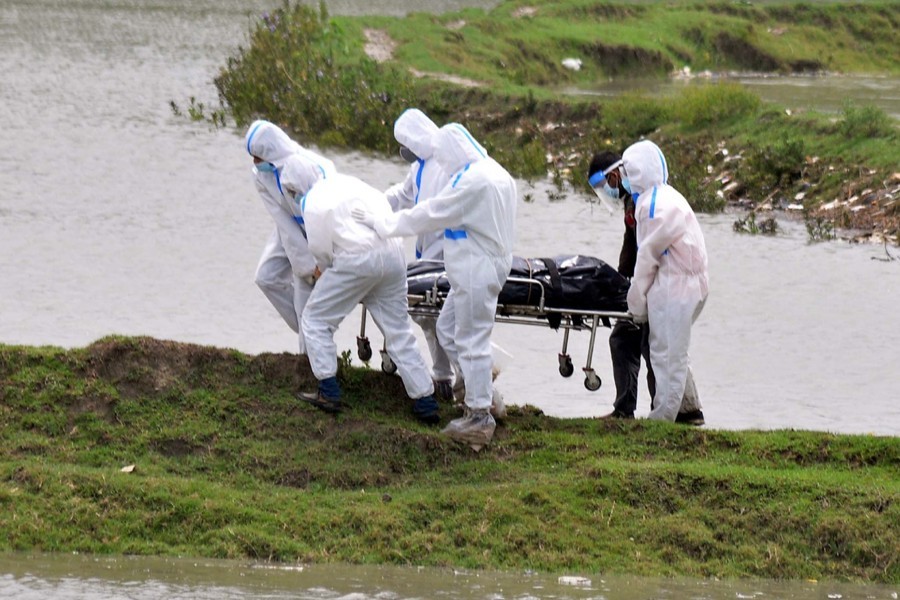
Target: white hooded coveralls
(477,210)
(671,281)
(357,266)
(425,179)
(285,268)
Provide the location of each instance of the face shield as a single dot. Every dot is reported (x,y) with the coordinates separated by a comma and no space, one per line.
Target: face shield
(600,185)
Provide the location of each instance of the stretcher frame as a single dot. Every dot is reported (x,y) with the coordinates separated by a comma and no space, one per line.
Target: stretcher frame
(429,303)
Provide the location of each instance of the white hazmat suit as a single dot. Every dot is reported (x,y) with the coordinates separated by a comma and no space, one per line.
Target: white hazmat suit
(425,179)
(671,281)
(477,211)
(285,269)
(357,266)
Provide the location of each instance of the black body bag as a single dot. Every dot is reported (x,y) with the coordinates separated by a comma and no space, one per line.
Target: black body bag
(574,282)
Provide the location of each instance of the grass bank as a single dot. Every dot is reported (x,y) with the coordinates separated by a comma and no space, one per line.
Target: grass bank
(228,464)
(500,72)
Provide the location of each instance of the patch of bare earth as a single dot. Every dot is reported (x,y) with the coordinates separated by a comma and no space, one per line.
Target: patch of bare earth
(379,45)
(460,81)
(524,11)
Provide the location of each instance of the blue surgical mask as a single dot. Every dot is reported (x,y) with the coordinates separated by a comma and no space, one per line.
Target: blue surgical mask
(611,191)
(627,185)
(265,167)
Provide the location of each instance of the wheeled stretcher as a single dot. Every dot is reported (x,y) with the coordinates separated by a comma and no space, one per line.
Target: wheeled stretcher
(572,293)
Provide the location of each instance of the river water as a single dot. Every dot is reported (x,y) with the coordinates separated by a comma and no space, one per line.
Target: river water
(116,217)
(73,577)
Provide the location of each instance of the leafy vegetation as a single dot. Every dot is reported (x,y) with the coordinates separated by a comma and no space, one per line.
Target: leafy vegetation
(299,70)
(310,73)
(227,463)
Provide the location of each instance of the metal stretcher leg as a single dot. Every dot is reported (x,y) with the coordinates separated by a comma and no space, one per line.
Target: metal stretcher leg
(566,368)
(363,347)
(591,380)
(387,365)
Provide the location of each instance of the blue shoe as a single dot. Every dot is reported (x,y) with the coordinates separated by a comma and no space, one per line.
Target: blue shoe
(426,410)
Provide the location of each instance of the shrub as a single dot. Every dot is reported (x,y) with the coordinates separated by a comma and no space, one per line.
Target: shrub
(705,105)
(631,116)
(865,122)
(297,72)
(775,164)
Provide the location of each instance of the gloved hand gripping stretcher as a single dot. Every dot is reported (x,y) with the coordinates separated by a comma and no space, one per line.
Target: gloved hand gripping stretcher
(571,292)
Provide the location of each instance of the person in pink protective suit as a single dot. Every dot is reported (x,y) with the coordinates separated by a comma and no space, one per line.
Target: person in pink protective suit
(671,281)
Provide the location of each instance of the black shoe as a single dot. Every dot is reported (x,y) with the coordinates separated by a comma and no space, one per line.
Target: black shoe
(443,390)
(618,414)
(426,410)
(329,405)
(693,417)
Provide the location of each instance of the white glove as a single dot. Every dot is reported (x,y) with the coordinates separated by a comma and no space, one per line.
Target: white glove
(639,319)
(362,215)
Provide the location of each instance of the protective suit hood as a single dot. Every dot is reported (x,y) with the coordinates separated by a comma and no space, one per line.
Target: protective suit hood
(268,142)
(300,173)
(645,166)
(416,131)
(454,148)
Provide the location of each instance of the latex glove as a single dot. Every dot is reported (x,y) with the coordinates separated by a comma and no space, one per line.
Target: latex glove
(362,215)
(639,319)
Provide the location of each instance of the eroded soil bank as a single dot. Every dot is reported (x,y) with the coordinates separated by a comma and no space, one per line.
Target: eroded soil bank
(142,446)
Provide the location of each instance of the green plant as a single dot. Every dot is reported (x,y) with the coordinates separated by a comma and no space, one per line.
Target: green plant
(300,71)
(865,122)
(631,116)
(774,165)
(818,228)
(706,105)
(749,225)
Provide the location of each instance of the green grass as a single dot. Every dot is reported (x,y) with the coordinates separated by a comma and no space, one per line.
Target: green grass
(230,465)
(307,71)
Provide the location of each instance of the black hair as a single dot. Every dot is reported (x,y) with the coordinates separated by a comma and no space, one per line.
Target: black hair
(602,161)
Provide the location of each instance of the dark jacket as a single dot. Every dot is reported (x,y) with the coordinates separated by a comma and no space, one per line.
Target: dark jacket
(628,254)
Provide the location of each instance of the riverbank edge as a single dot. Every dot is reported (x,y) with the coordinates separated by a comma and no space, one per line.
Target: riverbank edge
(317,76)
(149,447)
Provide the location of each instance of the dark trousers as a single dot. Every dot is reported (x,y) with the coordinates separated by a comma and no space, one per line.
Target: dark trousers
(627,343)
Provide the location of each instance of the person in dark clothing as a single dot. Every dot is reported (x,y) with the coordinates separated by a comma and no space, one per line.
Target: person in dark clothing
(628,341)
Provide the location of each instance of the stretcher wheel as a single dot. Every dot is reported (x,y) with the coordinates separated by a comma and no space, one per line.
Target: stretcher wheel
(592,382)
(387,365)
(566,368)
(363,349)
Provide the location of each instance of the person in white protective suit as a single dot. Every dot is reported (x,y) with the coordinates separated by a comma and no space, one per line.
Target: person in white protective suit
(415,132)
(671,281)
(356,266)
(286,267)
(477,211)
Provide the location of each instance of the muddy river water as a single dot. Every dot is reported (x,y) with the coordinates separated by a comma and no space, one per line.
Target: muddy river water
(117,217)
